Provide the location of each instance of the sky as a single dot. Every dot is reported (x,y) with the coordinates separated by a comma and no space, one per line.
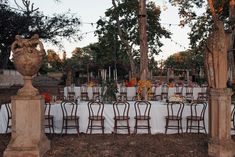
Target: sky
(89,11)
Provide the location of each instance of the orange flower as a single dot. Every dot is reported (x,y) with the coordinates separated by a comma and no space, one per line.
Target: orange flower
(46,96)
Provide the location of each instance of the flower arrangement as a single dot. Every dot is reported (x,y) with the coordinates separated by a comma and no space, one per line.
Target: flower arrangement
(91,84)
(143,85)
(46,96)
(176,98)
(131,83)
(170,84)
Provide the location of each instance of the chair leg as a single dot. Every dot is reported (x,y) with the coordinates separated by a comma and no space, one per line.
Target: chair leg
(135,128)
(178,121)
(198,126)
(77,125)
(166,127)
(149,129)
(7,125)
(53,125)
(62,127)
(187,127)
(204,126)
(88,126)
(115,126)
(128,127)
(91,127)
(181,126)
(102,125)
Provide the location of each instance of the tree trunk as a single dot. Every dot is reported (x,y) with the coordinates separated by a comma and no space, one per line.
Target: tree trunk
(231,45)
(4,57)
(143,40)
(126,43)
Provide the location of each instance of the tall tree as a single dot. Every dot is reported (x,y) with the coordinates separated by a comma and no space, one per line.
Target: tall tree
(28,20)
(203,24)
(122,19)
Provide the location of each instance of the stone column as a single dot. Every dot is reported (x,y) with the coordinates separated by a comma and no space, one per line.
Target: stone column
(220,143)
(28,138)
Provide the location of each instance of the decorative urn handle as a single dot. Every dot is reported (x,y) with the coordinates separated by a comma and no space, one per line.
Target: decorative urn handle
(27,58)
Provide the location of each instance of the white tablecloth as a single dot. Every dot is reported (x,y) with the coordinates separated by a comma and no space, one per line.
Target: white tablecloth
(131,91)
(157,122)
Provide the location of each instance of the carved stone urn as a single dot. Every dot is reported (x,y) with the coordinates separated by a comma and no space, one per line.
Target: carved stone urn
(27,58)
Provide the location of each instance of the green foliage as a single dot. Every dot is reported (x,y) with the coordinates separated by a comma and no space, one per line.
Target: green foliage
(109,90)
(29,21)
(127,11)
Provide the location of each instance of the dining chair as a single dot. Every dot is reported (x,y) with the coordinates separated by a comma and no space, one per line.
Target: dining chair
(60,93)
(121,114)
(233,115)
(84,93)
(151,94)
(179,89)
(123,91)
(71,96)
(96,118)
(7,105)
(197,116)
(189,92)
(49,119)
(142,114)
(70,118)
(174,114)
(95,91)
(164,91)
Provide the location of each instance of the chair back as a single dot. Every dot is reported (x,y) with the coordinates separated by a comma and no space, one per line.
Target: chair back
(8,108)
(83,89)
(233,111)
(71,96)
(121,108)
(142,108)
(122,98)
(179,89)
(123,89)
(95,108)
(204,88)
(47,108)
(188,89)
(198,109)
(164,91)
(69,108)
(60,93)
(175,109)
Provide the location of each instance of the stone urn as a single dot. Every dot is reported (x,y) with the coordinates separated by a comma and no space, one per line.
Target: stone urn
(27,58)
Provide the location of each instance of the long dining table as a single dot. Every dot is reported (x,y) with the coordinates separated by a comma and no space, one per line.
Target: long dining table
(158,112)
(131,91)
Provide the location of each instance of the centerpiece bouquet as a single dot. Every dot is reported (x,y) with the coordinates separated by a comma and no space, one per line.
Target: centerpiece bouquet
(144,87)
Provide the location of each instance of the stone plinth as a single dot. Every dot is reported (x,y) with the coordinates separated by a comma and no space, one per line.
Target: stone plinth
(28,138)
(220,144)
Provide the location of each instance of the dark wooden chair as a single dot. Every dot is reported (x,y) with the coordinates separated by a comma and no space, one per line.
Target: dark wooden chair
(121,98)
(121,114)
(179,89)
(95,92)
(96,118)
(71,96)
(189,92)
(233,115)
(174,114)
(70,118)
(151,94)
(123,91)
(198,109)
(7,105)
(60,93)
(84,93)
(164,91)
(49,119)
(142,114)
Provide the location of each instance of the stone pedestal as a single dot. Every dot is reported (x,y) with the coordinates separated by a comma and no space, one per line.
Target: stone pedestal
(220,143)
(28,138)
